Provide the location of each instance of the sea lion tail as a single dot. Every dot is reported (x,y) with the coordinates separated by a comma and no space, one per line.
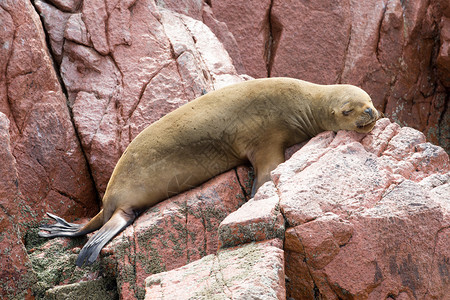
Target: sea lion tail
(64,228)
(119,220)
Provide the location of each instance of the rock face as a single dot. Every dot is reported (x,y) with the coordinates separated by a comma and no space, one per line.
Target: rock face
(52,172)
(122,67)
(169,235)
(80,82)
(239,273)
(367,215)
(398,51)
(149,62)
(15,269)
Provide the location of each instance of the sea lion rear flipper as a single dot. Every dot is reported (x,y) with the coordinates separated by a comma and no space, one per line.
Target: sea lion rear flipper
(64,228)
(92,248)
(264,162)
(60,228)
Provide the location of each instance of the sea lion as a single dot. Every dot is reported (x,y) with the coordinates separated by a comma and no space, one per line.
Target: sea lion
(252,121)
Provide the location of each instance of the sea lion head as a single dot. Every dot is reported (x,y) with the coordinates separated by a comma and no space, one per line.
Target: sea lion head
(351,109)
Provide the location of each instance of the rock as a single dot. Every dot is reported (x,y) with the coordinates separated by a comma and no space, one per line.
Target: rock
(248,22)
(397,51)
(16,275)
(67,5)
(220,29)
(102,288)
(52,172)
(169,235)
(55,22)
(324,31)
(250,271)
(365,213)
(443,59)
(119,80)
(259,219)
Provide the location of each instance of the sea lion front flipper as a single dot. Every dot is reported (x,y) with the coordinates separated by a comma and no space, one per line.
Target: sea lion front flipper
(119,220)
(264,162)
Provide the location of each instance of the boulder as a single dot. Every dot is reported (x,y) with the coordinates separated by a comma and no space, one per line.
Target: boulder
(250,271)
(52,171)
(16,275)
(259,219)
(367,216)
(126,66)
(43,165)
(169,235)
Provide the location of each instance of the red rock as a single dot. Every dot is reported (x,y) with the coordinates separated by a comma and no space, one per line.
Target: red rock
(95,17)
(220,30)
(323,29)
(250,271)
(55,21)
(52,172)
(189,8)
(76,31)
(67,5)
(259,219)
(321,238)
(248,22)
(174,232)
(16,275)
(389,48)
(443,59)
(365,215)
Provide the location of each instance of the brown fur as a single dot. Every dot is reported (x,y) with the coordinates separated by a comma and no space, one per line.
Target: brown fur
(251,121)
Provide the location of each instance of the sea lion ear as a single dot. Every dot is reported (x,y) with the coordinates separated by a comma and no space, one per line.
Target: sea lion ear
(333,112)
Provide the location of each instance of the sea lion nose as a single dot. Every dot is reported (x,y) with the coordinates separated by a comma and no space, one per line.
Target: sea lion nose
(369,111)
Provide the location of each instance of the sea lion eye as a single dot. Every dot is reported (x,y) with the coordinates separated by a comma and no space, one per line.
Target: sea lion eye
(347,112)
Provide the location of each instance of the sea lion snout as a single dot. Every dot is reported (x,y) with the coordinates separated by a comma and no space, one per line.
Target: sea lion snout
(369,111)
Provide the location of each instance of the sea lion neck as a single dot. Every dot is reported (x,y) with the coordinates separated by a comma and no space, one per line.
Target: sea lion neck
(312,109)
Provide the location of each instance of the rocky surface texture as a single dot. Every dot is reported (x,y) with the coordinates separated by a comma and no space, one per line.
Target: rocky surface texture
(169,235)
(398,51)
(367,216)
(361,217)
(253,271)
(80,79)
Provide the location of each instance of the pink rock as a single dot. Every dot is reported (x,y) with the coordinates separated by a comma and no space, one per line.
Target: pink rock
(189,8)
(175,232)
(386,47)
(67,5)
(220,29)
(443,59)
(310,31)
(365,215)
(52,172)
(259,219)
(251,271)
(95,18)
(16,274)
(248,22)
(55,21)
(76,31)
